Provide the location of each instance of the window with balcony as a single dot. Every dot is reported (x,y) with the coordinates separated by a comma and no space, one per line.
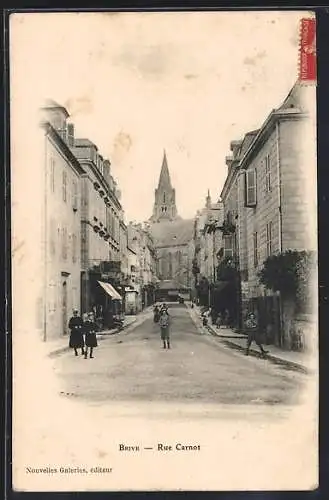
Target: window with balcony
(251,188)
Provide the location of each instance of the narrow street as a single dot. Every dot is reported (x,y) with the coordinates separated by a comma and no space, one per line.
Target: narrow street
(118,411)
(133,366)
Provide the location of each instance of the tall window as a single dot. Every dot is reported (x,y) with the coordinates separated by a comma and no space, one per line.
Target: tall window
(74,247)
(255,248)
(267,173)
(64,243)
(269,239)
(75,196)
(52,174)
(228,246)
(164,197)
(52,239)
(251,188)
(64,185)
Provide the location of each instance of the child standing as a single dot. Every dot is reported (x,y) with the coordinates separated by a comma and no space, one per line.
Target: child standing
(164,326)
(90,329)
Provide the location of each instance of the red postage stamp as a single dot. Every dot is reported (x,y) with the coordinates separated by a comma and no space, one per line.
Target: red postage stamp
(307,48)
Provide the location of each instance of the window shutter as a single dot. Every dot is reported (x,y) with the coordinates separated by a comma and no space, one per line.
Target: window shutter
(250,188)
(228,246)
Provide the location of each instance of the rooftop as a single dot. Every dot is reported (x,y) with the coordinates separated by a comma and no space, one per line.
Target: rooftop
(178,232)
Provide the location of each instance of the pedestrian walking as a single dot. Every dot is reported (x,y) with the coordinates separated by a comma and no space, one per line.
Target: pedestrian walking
(90,328)
(164,327)
(205,317)
(219,320)
(253,333)
(76,337)
(156,314)
(226,318)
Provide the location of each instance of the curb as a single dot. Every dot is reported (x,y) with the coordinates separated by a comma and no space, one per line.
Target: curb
(275,359)
(271,357)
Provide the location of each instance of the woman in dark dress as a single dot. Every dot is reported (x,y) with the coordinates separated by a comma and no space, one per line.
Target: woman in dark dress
(90,328)
(76,336)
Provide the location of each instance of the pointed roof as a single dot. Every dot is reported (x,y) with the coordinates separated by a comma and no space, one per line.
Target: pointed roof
(164,179)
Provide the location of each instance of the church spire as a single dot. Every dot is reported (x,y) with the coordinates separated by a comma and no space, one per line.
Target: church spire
(164,179)
(165,196)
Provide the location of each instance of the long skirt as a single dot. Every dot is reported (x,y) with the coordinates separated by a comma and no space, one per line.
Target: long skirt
(91,340)
(76,339)
(165,333)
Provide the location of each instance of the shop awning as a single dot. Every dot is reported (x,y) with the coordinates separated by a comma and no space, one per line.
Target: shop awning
(110,290)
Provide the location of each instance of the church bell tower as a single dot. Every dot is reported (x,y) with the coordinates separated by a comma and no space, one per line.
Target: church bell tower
(164,197)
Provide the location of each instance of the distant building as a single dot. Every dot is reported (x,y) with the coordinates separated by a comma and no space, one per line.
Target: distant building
(103,233)
(141,244)
(208,238)
(172,235)
(61,223)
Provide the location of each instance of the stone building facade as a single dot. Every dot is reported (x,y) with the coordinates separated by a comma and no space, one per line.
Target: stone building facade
(103,231)
(143,260)
(208,239)
(274,203)
(61,223)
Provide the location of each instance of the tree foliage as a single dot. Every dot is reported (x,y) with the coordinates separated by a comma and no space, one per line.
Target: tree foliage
(289,273)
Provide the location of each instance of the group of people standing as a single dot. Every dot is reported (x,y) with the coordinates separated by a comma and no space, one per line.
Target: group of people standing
(83,333)
(161,316)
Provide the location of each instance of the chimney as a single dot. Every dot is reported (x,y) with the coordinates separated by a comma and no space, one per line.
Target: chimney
(70,134)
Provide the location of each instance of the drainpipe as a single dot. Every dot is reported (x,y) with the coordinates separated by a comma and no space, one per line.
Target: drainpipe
(279,183)
(277,126)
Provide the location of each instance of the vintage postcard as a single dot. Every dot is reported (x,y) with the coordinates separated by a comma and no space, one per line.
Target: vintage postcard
(164,251)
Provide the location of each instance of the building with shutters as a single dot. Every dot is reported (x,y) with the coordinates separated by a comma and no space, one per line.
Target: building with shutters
(61,225)
(268,198)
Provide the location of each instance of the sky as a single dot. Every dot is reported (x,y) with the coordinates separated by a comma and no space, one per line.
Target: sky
(138,83)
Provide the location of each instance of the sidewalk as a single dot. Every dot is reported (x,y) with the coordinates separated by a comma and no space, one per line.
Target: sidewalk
(295,360)
(56,347)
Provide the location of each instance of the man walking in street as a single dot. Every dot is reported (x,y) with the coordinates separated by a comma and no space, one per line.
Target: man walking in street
(253,333)
(164,327)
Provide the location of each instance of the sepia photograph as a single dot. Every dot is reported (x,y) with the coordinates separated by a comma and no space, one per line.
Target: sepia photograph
(164,251)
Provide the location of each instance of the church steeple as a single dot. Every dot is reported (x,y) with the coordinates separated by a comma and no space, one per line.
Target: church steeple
(164,179)
(164,196)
